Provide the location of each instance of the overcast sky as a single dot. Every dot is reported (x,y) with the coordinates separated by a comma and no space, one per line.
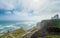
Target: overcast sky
(28,9)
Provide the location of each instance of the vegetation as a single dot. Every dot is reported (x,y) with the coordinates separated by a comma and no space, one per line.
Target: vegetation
(17,33)
(55,22)
(13,33)
(52,36)
(20,32)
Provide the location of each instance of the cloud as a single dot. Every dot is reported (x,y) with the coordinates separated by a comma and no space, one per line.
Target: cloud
(5,12)
(29,9)
(52,6)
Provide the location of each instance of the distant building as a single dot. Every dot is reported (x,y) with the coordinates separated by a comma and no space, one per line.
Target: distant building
(56,17)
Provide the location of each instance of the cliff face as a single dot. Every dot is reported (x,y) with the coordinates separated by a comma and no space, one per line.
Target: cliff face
(46,27)
(52,25)
(49,23)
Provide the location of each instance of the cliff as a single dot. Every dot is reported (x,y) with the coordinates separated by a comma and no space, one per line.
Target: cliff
(47,27)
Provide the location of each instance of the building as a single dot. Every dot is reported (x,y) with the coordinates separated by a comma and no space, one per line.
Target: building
(56,17)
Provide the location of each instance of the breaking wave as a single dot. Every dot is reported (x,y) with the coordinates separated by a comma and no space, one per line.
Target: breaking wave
(13,26)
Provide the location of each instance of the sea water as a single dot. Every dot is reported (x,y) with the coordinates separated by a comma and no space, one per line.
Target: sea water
(6,26)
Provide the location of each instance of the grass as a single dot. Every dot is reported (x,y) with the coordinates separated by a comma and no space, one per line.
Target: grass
(18,32)
(3,36)
(55,22)
(53,36)
(14,33)
(21,32)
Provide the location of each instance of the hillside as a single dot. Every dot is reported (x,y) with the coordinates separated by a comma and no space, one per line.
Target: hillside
(19,33)
(12,34)
(54,22)
(49,29)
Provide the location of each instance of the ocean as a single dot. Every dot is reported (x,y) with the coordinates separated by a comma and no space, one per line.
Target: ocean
(6,26)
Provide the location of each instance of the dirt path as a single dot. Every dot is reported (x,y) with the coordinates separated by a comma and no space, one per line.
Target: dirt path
(11,35)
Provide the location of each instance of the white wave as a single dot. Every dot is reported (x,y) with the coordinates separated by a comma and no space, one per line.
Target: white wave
(12,26)
(8,27)
(25,26)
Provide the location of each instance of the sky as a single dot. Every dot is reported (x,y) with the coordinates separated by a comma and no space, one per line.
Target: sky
(28,9)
